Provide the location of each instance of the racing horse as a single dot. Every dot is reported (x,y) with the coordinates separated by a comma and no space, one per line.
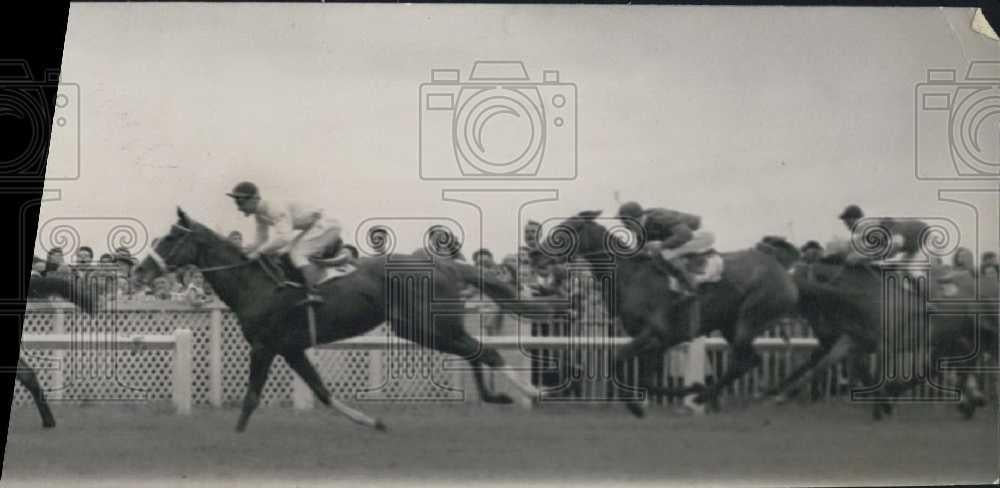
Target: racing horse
(755,291)
(43,287)
(849,309)
(273,318)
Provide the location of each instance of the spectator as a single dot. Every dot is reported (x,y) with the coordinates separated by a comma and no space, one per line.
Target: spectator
(161,289)
(550,278)
(175,282)
(527,278)
(804,269)
(55,265)
(84,256)
(379,240)
(507,269)
(107,259)
(531,234)
(236,237)
(989,264)
(484,259)
(125,262)
(37,266)
(960,278)
(194,288)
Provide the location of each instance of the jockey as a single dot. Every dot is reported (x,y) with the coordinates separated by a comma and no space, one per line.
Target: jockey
(675,235)
(276,224)
(906,235)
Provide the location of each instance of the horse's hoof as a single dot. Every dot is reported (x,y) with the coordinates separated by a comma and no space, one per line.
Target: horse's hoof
(683,410)
(887,408)
(967,410)
(48,424)
(978,401)
(380,426)
(636,409)
(877,413)
(499,398)
(779,399)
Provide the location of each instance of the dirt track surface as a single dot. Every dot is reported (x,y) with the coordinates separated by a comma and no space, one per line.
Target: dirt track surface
(566,444)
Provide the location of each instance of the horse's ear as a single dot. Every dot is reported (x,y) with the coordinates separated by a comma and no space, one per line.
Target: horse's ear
(182,218)
(589,214)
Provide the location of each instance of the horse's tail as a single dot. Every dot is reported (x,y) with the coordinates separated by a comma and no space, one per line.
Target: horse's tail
(503,294)
(66,288)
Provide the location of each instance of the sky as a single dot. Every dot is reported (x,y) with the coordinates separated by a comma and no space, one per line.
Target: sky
(761,120)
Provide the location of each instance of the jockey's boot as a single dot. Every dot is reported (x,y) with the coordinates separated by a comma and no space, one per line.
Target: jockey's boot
(312,274)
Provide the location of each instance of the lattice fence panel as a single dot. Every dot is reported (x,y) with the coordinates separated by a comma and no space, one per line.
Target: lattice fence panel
(119,373)
(45,363)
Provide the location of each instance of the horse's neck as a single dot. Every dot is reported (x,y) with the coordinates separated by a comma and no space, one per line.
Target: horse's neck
(625,270)
(234,285)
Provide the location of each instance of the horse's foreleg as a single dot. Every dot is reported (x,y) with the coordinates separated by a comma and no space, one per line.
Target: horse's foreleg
(299,363)
(840,350)
(26,375)
(744,359)
(260,365)
(782,390)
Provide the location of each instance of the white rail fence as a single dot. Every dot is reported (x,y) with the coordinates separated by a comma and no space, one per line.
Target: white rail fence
(162,351)
(179,344)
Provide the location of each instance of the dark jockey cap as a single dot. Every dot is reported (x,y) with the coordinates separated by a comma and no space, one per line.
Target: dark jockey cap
(852,212)
(630,209)
(244,190)
(811,245)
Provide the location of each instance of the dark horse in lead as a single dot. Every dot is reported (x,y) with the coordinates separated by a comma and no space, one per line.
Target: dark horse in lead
(274,321)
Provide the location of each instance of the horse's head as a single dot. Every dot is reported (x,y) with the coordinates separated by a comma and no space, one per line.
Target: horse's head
(584,237)
(185,244)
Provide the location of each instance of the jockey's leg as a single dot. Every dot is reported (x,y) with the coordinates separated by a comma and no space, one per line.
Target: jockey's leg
(676,255)
(312,243)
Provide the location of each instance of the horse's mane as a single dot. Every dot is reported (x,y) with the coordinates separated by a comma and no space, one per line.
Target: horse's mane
(218,238)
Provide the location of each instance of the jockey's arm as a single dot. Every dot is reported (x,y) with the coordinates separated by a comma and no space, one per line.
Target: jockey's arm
(276,237)
(679,234)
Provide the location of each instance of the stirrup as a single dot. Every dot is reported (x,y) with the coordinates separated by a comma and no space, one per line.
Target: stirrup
(312,297)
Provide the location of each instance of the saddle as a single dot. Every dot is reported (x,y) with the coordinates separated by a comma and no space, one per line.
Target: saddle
(334,261)
(333,255)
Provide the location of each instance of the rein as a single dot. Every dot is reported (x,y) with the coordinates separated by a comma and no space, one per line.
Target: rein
(162,262)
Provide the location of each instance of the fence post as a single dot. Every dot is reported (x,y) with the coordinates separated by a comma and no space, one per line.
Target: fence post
(215,358)
(694,371)
(59,358)
(302,396)
(182,371)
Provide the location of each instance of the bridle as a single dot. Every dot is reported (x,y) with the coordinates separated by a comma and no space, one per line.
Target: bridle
(161,261)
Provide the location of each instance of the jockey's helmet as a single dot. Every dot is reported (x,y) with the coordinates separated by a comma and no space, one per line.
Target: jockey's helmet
(631,210)
(852,212)
(243,190)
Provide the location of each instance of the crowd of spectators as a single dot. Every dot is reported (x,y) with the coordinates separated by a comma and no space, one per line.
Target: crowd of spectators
(531,271)
(115,272)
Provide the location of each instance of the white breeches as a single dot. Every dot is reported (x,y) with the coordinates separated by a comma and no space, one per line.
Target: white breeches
(311,242)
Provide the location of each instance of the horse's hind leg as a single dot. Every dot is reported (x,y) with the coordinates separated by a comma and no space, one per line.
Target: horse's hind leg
(781,392)
(299,363)
(261,358)
(26,375)
(449,336)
